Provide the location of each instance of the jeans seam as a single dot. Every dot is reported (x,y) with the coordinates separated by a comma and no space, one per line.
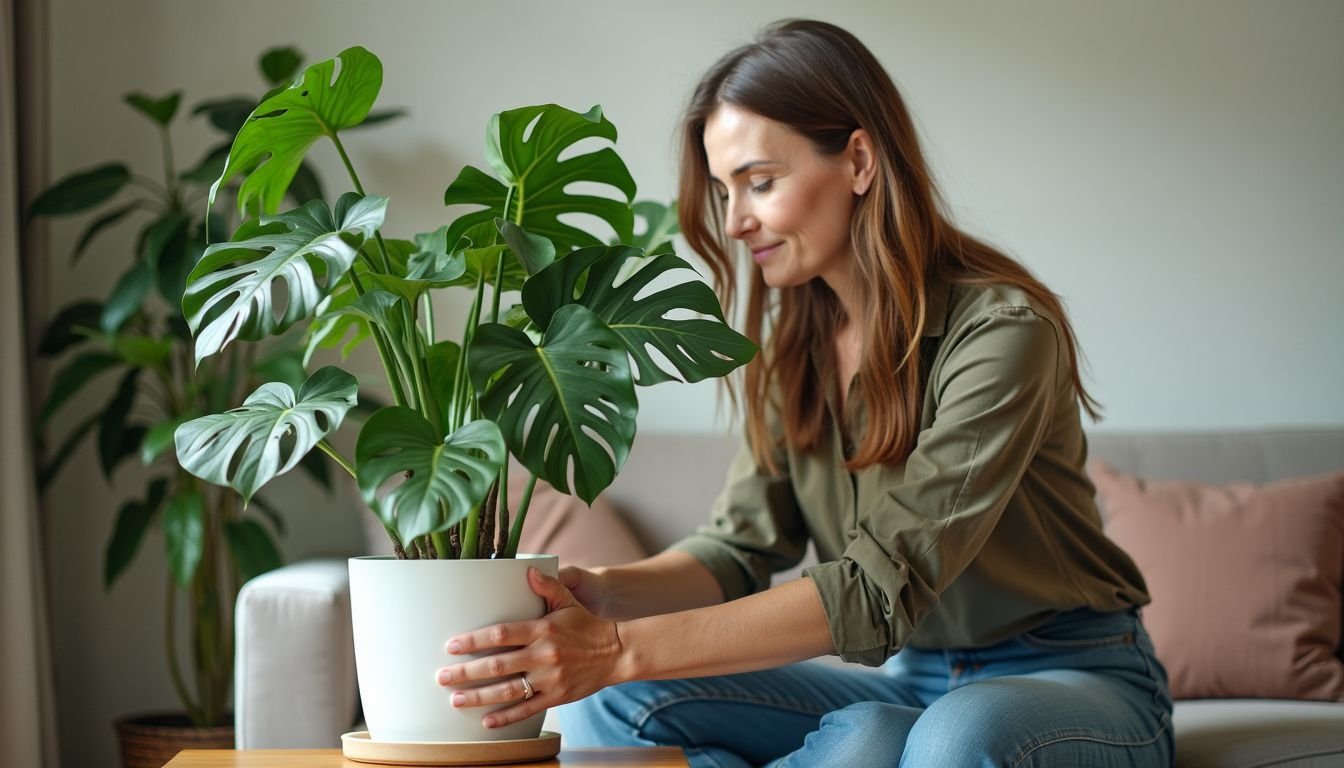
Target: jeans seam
(642,717)
(1095,739)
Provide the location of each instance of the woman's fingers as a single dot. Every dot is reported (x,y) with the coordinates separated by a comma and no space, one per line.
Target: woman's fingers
(497,636)
(487,668)
(503,692)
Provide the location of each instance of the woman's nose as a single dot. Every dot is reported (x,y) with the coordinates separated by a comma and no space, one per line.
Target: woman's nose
(740,222)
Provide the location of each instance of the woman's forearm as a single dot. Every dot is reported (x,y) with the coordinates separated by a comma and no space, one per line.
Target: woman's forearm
(780,626)
(665,583)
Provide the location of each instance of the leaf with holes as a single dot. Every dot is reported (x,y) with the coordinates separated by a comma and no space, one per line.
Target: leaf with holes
(268,435)
(578,382)
(229,292)
(444,477)
(698,348)
(279,132)
(523,146)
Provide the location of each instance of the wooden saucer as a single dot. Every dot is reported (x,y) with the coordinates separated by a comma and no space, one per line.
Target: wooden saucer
(357,746)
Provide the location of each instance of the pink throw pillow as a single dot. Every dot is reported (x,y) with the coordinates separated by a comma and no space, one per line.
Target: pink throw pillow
(1245,580)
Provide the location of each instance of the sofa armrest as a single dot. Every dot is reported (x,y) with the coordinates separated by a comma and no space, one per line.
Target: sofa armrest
(294,667)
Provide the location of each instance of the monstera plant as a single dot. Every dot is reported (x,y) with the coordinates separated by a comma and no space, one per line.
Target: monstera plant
(550,377)
(136,333)
(566,321)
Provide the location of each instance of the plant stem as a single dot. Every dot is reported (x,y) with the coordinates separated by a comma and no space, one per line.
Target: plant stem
(169,172)
(170,643)
(516,532)
(336,456)
(441,544)
(461,391)
(429,318)
(384,353)
(501,544)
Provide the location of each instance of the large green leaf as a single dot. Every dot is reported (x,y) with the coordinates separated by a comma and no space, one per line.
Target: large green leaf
(441,361)
(229,293)
(444,477)
(660,224)
(228,115)
(81,191)
(113,426)
(577,380)
(160,437)
(268,435)
(132,522)
(126,298)
(279,65)
(280,130)
(252,548)
(184,535)
(523,146)
(615,277)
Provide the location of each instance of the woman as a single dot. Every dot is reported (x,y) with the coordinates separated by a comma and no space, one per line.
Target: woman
(915,414)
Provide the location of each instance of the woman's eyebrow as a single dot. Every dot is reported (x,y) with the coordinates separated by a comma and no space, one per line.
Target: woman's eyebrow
(743,168)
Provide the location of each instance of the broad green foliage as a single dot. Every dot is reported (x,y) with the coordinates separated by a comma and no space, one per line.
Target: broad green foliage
(523,147)
(443,478)
(268,435)
(230,292)
(277,135)
(577,379)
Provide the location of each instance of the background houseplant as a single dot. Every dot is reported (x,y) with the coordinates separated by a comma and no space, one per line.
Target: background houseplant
(550,379)
(211,545)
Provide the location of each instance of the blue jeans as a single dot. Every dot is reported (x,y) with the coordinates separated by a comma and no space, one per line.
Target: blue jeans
(1084,689)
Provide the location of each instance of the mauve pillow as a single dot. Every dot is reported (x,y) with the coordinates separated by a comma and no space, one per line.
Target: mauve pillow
(1245,580)
(557,524)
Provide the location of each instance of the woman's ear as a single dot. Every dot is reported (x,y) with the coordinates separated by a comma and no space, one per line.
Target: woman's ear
(862,159)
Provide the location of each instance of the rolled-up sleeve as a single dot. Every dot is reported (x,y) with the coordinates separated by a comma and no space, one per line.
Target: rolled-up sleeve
(993,395)
(755,528)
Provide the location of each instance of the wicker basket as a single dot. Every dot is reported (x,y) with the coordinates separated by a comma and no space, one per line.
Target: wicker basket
(150,740)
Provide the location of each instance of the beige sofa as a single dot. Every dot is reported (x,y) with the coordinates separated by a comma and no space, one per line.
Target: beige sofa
(295,662)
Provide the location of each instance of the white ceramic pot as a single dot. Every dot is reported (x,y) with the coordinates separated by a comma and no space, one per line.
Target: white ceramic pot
(404,611)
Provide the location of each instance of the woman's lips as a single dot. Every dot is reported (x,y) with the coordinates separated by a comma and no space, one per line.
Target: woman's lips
(764,253)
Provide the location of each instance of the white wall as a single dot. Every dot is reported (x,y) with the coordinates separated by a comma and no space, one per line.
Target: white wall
(1175,170)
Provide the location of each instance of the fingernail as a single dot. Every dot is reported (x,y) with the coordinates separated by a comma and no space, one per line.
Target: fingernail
(454,647)
(488,722)
(445,677)
(459,699)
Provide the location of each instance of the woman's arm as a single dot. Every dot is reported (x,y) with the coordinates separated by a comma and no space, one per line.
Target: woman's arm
(641,588)
(570,653)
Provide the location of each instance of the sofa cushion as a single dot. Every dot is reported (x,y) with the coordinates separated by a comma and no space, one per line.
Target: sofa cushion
(1242,733)
(1245,581)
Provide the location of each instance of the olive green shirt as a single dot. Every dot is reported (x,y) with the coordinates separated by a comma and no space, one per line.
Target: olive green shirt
(987,529)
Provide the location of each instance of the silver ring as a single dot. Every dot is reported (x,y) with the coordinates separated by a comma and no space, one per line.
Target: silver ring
(527,688)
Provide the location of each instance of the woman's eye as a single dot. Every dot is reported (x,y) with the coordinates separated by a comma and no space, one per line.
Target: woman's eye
(764,186)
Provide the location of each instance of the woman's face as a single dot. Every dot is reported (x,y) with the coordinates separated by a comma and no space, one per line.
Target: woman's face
(789,204)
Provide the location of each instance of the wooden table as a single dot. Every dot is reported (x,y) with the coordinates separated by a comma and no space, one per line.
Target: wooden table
(616,757)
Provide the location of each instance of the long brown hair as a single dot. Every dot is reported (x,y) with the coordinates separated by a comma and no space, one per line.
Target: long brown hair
(823,83)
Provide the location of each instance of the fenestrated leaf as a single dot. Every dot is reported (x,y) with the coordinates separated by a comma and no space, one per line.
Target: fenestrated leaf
(81,191)
(126,298)
(531,169)
(228,115)
(252,548)
(445,477)
(282,127)
(578,380)
(268,435)
(698,348)
(64,330)
(113,424)
(160,110)
(229,293)
(660,224)
(73,377)
(98,225)
(184,535)
(278,65)
(132,521)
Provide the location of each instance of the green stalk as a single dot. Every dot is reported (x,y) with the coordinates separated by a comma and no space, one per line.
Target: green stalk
(170,642)
(516,532)
(471,534)
(441,545)
(385,355)
(336,456)
(461,388)
(169,172)
(429,318)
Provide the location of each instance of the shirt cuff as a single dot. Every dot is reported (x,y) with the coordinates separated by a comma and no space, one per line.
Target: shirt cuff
(721,559)
(865,595)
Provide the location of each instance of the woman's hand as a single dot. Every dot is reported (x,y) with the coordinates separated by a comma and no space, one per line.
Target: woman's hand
(590,588)
(566,655)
